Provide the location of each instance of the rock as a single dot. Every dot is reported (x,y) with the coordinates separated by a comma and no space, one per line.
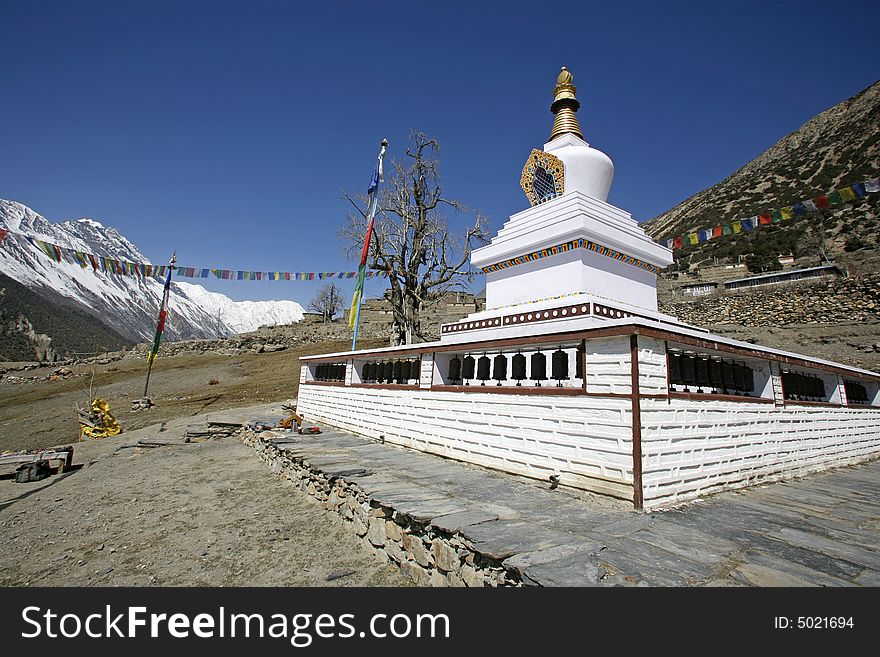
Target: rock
(438,580)
(445,557)
(392,530)
(393,550)
(338,574)
(416,549)
(472,577)
(376,532)
(415,573)
(359,527)
(455,580)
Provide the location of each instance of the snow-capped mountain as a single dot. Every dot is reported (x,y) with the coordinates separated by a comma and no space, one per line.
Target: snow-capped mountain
(127,304)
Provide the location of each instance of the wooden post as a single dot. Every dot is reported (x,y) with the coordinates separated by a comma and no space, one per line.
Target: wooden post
(638,498)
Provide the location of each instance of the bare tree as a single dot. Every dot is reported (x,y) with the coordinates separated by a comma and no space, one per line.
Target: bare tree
(412,240)
(328,302)
(816,243)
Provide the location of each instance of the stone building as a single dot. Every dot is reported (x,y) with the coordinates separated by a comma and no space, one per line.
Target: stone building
(376,315)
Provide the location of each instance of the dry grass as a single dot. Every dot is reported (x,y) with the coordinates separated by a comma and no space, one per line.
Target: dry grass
(43,414)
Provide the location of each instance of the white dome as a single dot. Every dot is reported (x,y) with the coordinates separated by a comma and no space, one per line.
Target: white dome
(587,170)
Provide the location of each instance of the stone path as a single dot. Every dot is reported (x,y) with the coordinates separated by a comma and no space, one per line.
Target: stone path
(823,530)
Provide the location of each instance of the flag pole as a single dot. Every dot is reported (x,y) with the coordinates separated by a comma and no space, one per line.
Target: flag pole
(354,313)
(160,324)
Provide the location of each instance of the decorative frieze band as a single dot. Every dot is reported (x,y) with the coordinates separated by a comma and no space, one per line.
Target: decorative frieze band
(560,312)
(568,246)
(543,315)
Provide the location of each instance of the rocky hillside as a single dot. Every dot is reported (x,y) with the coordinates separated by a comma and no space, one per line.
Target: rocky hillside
(27,321)
(840,146)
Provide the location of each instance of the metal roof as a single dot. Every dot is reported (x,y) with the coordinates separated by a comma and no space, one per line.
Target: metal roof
(781,273)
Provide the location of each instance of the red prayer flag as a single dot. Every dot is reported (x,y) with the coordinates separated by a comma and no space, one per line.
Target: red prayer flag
(821,201)
(676,243)
(765,219)
(716,232)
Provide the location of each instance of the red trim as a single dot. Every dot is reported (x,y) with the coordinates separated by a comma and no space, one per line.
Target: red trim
(794,402)
(694,396)
(385,386)
(513,390)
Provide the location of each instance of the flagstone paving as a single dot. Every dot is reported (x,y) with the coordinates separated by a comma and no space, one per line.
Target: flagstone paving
(823,530)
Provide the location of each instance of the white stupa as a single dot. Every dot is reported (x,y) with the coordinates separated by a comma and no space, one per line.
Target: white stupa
(571,374)
(571,243)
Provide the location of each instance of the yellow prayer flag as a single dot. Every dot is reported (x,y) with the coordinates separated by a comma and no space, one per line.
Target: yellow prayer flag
(352,312)
(847,194)
(787,213)
(737,227)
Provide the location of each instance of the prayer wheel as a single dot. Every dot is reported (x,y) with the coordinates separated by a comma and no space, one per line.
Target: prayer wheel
(518,367)
(538,368)
(499,368)
(483,366)
(454,370)
(559,366)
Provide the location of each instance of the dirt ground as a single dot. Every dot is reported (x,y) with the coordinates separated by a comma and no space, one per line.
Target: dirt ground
(209,513)
(196,514)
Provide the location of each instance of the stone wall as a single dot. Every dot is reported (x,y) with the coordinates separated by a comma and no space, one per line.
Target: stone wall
(376,316)
(427,554)
(855,299)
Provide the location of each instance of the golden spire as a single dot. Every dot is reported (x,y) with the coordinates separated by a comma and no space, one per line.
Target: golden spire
(564,107)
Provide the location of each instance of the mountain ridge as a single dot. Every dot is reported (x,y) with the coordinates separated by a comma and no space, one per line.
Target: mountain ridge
(837,147)
(125,304)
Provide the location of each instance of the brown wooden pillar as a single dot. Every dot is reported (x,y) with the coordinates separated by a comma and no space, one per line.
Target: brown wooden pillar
(638,498)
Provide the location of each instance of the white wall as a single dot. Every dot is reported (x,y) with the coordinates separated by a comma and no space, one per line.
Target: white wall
(693,447)
(567,273)
(689,447)
(586,440)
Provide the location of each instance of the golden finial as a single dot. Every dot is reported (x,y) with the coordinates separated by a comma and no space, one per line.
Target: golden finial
(564,106)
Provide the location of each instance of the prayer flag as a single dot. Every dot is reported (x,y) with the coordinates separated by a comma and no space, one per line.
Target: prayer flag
(872,185)
(163,311)
(373,192)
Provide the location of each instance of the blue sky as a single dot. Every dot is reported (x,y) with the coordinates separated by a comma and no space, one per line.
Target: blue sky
(228,130)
